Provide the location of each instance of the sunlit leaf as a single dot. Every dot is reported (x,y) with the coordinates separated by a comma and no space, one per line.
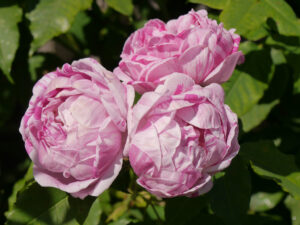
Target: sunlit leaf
(10,16)
(250,15)
(216,4)
(123,6)
(294,206)
(52,18)
(263,201)
(256,115)
(77,29)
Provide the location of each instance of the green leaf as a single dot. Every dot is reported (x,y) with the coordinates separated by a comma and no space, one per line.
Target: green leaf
(278,84)
(294,206)
(258,33)
(293,61)
(136,214)
(251,15)
(290,44)
(256,115)
(52,18)
(263,201)
(119,209)
(248,83)
(248,46)
(277,56)
(297,86)
(19,185)
(94,214)
(123,221)
(156,212)
(77,29)
(100,206)
(243,92)
(122,6)
(239,15)
(269,162)
(10,16)
(183,211)
(40,205)
(35,63)
(80,207)
(215,4)
(85,4)
(285,18)
(230,195)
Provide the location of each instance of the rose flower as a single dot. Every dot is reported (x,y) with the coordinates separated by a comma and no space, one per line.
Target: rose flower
(179,136)
(192,44)
(74,128)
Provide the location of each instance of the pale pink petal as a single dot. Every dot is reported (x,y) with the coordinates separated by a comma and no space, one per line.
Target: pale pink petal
(98,187)
(49,179)
(224,70)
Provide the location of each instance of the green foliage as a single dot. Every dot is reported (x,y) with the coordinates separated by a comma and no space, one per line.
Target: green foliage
(19,185)
(269,162)
(251,15)
(81,208)
(263,201)
(52,18)
(261,186)
(10,16)
(31,208)
(123,6)
(33,204)
(94,214)
(256,114)
(216,4)
(248,83)
(231,193)
(294,205)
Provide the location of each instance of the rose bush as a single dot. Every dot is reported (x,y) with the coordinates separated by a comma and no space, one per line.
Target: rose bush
(74,128)
(179,136)
(192,44)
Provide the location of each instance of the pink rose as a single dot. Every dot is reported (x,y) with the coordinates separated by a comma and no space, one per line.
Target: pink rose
(192,44)
(74,128)
(179,136)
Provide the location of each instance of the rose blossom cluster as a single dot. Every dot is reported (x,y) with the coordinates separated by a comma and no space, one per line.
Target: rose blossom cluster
(81,120)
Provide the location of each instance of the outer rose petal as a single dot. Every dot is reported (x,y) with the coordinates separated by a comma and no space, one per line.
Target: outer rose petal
(223,71)
(104,183)
(232,142)
(139,111)
(48,179)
